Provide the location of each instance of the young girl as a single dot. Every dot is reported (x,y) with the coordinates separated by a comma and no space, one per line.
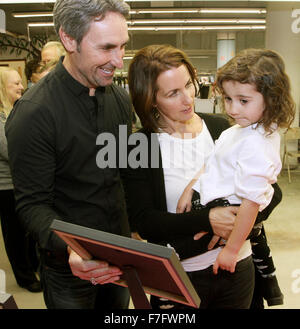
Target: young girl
(246,158)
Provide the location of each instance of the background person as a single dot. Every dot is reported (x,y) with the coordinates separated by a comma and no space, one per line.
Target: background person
(44,69)
(162,89)
(31,68)
(52,134)
(35,71)
(16,241)
(52,51)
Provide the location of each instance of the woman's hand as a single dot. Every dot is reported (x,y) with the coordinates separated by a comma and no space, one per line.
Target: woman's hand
(136,236)
(222,220)
(214,240)
(96,271)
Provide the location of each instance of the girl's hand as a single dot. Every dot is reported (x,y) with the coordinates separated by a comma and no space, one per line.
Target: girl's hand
(226,260)
(185,202)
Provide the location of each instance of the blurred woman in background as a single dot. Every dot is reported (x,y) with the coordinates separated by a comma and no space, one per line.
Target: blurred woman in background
(16,240)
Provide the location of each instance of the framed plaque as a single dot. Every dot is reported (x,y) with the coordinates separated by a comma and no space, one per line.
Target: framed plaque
(153,268)
(7,301)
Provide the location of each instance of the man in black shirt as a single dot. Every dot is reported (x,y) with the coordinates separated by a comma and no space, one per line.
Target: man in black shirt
(52,145)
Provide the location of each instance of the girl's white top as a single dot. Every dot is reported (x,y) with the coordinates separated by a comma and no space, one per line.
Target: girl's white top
(182,159)
(243,165)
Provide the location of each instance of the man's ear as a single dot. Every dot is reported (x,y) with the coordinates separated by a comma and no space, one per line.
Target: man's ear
(69,43)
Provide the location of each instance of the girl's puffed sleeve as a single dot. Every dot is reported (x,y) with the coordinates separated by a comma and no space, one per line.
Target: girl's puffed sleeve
(258,166)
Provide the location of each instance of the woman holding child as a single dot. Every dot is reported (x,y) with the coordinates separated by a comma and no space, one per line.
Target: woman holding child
(162,85)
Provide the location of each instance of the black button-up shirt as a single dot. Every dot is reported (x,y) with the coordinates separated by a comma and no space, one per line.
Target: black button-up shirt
(52,147)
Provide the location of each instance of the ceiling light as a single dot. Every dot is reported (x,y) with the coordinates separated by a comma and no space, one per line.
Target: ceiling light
(196,21)
(164,11)
(33,14)
(39,24)
(196,28)
(199,10)
(233,11)
(173,28)
(10,2)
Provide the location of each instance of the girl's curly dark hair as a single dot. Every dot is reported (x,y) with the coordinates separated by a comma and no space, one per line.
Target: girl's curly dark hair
(265,70)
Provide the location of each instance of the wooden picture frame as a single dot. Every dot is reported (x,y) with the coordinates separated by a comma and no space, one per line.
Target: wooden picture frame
(156,268)
(7,302)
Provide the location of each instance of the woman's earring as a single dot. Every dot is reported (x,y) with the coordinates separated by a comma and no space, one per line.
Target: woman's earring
(156,113)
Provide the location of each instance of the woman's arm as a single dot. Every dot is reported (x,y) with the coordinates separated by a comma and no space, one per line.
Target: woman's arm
(147,209)
(148,216)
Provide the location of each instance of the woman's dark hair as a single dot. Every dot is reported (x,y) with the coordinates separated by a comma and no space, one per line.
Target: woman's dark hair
(146,66)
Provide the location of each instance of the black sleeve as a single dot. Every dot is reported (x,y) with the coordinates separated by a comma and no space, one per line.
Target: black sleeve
(188,247)
(150,219)
(31,149)
(277,197)
(124,105)
(160,226)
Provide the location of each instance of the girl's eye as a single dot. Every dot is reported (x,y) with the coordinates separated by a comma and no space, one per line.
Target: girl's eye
(227,99)
(243,101)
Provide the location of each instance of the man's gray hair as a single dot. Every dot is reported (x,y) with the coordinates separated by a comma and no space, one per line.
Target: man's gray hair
(76,16)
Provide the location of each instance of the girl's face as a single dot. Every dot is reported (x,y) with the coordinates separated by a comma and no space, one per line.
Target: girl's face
(13,86)
(243,102)
(175,96)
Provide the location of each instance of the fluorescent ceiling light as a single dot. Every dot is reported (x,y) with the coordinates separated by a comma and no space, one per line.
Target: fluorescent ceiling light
(199,10)
(173,28)
(40,24)
(196,28)
(233,11)
(25,1)
(33,14)
(9,2)
(164,11)
(197,21)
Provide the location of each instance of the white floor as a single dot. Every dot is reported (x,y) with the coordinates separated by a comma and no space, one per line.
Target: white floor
(283,232)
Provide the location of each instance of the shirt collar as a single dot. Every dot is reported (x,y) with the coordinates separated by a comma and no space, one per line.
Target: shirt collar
(75,86)
(260,128)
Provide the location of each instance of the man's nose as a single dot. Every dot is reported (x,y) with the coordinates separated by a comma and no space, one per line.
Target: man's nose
(117,58)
